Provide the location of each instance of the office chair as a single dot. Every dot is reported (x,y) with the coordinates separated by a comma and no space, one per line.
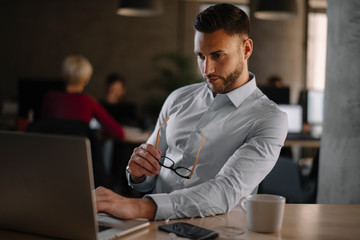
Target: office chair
(285,180)
(74,127)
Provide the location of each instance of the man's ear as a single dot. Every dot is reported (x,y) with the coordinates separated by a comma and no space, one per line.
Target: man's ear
(248,48)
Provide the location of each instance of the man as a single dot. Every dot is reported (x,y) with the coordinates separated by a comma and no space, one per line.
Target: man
(225,133)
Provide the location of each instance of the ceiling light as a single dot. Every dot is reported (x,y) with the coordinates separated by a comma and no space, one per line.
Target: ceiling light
(140,8)
(276,9)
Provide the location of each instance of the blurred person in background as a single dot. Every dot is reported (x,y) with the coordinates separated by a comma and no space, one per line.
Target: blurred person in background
(115,103)
(73,103)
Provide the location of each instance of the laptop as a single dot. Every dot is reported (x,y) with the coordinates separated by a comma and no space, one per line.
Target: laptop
(46,184)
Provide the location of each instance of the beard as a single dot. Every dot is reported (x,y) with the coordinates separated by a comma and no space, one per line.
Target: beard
(228,82)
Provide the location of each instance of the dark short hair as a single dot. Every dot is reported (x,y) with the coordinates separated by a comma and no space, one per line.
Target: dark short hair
(114,77)
(223,16)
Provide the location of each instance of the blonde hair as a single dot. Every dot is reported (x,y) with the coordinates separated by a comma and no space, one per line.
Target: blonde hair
(76,68)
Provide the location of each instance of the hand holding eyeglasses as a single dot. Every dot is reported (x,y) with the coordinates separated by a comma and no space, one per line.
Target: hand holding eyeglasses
(145,161)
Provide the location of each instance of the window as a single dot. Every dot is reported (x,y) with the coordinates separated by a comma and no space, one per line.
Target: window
(316,46)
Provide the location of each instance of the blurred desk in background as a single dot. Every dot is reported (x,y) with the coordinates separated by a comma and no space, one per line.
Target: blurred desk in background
(315,143)
(136,135)
(302,148)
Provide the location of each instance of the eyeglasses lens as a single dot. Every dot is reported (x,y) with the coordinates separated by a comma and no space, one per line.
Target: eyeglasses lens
(184,172)
(166,162)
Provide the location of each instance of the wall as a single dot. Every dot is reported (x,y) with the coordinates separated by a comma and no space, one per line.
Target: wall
(279,49)
(38,34)
(339,178)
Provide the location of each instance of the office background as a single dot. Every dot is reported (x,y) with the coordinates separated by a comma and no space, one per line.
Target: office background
(37,35)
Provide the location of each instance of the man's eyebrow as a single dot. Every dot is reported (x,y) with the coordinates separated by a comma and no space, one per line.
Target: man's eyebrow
(212,53)
(216,52)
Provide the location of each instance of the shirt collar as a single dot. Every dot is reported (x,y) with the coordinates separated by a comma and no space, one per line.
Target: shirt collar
(238,95)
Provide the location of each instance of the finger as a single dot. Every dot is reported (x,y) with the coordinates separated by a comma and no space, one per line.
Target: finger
(138,170)
(113,204)
(143,161)
(139,166)
(103,194)
(103,198)
(149,152)
(152,150)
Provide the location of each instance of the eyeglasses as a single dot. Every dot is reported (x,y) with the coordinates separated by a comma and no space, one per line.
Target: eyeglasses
(169,163)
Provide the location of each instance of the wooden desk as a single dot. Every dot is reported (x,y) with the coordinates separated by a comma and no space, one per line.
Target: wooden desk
(301,221)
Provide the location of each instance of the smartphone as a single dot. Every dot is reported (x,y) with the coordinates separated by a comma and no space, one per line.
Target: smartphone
(187,230)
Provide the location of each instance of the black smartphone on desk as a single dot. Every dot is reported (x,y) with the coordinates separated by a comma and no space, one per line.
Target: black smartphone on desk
(187,230)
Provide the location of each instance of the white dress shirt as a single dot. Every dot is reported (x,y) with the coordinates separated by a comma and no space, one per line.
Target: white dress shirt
(244,133)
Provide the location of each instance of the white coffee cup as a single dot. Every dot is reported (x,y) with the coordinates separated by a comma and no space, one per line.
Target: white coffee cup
(264,212)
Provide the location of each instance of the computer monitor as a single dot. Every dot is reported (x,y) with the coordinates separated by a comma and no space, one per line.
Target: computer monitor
(315,107)
(31,92)
(278,95)
(294,113)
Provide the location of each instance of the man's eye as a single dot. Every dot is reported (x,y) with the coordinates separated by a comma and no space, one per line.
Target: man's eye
(217,56)
(200,56)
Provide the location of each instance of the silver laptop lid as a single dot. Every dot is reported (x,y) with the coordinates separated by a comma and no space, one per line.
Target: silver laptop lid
(58,167)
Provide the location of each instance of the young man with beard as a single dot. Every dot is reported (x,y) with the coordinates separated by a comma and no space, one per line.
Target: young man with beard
(214,142)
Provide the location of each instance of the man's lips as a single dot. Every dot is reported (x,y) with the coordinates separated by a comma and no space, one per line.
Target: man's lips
(212,79)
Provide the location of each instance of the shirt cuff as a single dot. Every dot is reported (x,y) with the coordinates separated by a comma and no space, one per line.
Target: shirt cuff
(145,186)
(165,207)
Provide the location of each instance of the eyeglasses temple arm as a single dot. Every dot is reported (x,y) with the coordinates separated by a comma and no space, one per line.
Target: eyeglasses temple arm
(158,133)
(197,158)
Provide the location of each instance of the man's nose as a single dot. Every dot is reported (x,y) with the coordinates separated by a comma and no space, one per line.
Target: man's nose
(208,67)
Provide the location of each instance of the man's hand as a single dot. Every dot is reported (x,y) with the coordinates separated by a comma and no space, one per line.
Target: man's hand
(144,161)
(125,208)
